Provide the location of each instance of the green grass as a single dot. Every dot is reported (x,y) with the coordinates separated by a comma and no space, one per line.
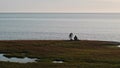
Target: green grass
(76,54)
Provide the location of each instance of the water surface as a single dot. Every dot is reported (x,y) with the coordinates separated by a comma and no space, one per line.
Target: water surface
(57,26)
(15,59)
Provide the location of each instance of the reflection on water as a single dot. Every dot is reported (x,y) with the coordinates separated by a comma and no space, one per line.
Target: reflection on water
(118,46)
(57,62)
(19,60)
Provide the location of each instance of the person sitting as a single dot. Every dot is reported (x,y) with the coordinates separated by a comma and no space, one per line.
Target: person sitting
(76,38)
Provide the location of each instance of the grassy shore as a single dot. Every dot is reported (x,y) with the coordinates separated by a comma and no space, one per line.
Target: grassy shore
(75,54)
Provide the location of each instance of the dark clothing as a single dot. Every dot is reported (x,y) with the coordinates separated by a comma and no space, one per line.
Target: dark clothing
(75,38)
(70,36)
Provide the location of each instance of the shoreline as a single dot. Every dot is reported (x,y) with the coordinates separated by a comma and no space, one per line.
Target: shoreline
(65,40)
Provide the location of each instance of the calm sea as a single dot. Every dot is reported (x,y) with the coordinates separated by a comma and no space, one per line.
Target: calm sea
(57,26)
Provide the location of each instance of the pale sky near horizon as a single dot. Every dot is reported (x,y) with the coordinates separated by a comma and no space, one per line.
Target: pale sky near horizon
(59,5)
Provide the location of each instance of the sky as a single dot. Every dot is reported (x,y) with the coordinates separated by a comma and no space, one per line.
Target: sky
(75,6)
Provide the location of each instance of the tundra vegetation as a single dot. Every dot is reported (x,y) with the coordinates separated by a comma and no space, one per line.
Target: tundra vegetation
(74,54)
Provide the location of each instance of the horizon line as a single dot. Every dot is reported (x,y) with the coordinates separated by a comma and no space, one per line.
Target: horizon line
(60,12)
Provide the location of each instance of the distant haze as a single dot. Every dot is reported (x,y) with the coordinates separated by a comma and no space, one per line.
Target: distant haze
(59,6)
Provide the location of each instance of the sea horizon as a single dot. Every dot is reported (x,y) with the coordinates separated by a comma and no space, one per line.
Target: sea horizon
(68,12)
